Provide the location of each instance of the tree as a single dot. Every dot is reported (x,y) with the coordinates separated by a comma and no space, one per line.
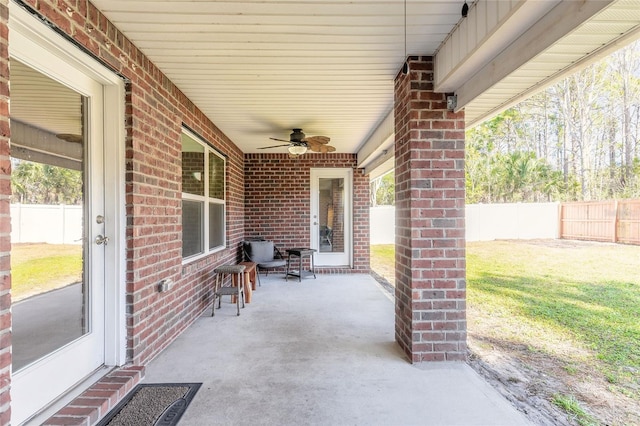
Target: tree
(625,65)
(577,140)
(37,183)
(383,190)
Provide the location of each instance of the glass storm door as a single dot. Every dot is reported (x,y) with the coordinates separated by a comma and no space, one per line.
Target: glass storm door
(331,216)
(58,241)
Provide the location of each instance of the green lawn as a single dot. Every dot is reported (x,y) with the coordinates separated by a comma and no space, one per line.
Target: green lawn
(383,261)
(589,294)
(37,268)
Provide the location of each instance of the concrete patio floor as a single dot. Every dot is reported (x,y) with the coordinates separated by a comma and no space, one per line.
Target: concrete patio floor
(319,352)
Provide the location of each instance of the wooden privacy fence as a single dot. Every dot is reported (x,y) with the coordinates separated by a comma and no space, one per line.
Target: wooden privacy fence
(615,221)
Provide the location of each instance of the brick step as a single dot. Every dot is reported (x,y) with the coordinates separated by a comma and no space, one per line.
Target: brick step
(94,403)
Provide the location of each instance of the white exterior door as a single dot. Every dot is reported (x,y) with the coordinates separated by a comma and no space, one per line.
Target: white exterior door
(66,333)
(331,217)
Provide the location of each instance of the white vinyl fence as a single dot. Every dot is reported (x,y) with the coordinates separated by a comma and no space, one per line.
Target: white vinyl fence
(46,224)
(484,222)
(63,224)
(382,225)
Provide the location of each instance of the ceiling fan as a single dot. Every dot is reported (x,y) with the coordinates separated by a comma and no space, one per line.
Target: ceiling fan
(299,143)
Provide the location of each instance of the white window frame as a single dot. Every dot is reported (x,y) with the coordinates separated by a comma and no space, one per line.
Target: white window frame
(206,200)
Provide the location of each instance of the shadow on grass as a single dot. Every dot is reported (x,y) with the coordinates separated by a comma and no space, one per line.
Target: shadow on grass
(604,316)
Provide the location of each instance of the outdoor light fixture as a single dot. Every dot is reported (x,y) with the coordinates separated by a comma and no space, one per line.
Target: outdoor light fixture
(465,9)
(297,149)
(452,102)
(405,66)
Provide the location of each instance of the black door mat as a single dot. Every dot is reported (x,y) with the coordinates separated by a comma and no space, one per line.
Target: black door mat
(152,404)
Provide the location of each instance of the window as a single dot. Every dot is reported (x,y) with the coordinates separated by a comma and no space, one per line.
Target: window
(203,204)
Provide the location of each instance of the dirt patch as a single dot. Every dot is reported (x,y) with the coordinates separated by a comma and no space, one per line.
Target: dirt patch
(384,274)
(526,388)
(530,380)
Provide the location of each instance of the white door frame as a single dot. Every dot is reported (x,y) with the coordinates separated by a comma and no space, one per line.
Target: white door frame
(39,47)
(329,258)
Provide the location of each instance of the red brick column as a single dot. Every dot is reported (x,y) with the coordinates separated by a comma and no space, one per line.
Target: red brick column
(430,244)
(5,221)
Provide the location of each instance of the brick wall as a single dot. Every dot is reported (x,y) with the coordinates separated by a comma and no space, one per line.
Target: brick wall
(430,244)
(278,205)
(338,211)
(155,112)
(5,222)
(193,162)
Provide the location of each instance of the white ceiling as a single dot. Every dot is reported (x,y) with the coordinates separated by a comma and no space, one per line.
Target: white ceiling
(258,69)
(44,103)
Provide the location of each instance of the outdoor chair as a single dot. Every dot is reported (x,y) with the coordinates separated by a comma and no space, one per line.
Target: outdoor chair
(326,236)
(264,254)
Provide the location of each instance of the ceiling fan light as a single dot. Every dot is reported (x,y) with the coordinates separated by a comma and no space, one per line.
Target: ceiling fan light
(297,149)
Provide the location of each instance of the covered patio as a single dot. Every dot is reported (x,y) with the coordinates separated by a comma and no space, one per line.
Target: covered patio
(166,109)
(319,352)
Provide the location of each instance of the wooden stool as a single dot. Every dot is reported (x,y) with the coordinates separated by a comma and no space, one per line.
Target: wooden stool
(220,289)
(249,278)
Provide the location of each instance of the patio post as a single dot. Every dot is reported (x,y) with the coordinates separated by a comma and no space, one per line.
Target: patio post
(430,229)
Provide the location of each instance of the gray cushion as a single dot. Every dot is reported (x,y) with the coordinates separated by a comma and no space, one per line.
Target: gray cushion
(260,251)
(273,264)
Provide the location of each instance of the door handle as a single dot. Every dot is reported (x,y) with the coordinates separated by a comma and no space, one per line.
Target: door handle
(102,240)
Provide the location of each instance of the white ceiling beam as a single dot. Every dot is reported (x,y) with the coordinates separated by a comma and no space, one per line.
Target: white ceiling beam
(558,23)
(380,138)
(381,165)
(33,144)
(487,30)
(584,62)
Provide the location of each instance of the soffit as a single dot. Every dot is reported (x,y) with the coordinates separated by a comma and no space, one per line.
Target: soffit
(44,103)
(607,31)
(258,69)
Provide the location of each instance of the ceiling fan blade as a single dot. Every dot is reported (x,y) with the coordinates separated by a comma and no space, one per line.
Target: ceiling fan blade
(318,139)
(279,140)
(325,148)
(313,144)
(70,137)
(273,146)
